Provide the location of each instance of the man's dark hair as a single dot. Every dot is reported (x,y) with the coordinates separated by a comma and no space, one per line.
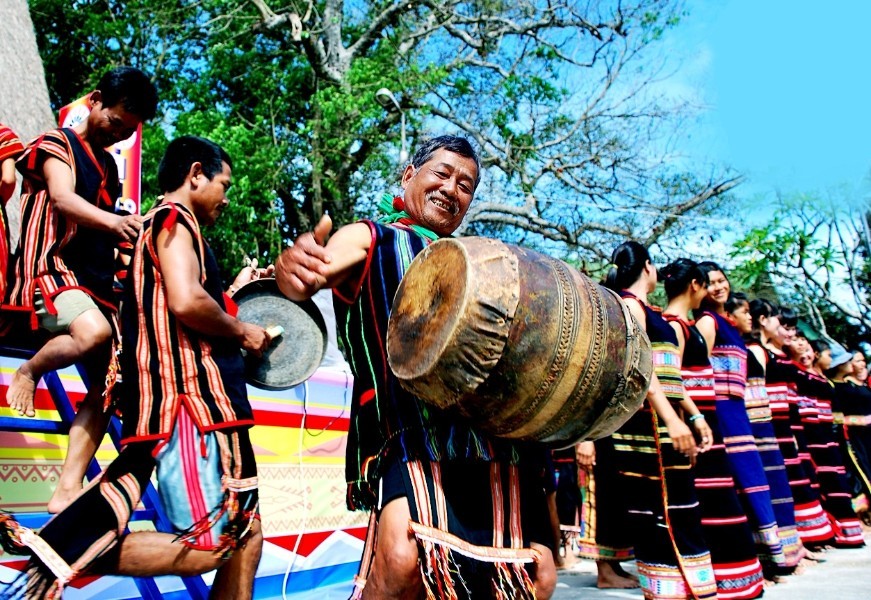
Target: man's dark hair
(132,88)
(182,153)
(451,143)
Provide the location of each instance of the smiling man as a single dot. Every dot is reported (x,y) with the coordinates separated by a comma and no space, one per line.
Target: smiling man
(407,461)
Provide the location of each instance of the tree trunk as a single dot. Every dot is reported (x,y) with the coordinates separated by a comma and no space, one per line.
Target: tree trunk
(24,104)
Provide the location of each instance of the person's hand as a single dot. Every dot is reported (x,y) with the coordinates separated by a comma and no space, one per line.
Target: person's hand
(681,437)
(254,339)
(705,435)
(585,455)
(301,270)
(127,227)
(7,179)
(249,274)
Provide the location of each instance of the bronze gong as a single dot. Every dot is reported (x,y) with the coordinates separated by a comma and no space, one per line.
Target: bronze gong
(295,354)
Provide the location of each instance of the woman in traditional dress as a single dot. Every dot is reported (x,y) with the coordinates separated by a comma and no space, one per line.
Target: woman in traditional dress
(852,414)
(724,522)
(823,446)
(860,369)
(729,359)
(654,449)
(593,510)
(758,407)
(810,518)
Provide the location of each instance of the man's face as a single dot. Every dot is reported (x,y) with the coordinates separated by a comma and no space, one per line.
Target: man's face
(209,196)
(108,125)
(438,194)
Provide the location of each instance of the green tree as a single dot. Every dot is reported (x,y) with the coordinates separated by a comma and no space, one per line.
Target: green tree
(560,99)
(815,251)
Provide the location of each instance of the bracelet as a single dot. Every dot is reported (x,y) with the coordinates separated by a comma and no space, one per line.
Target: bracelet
(696,417)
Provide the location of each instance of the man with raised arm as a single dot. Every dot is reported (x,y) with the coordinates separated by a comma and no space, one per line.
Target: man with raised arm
(480,500)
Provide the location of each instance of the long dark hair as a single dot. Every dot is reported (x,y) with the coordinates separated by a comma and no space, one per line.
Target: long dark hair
(677,276)
(734,301)
(760,307)
(627,264)
(819,346)
(788,316)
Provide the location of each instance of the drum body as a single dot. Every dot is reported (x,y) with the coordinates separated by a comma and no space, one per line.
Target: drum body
(520,343)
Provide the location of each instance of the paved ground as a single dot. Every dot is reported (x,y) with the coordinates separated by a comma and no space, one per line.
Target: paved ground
(846,575)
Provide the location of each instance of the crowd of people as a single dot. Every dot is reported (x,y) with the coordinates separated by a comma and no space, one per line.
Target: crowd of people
(456,513)
(748,460)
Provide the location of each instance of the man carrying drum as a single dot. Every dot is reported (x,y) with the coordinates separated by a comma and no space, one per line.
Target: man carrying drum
(457,513)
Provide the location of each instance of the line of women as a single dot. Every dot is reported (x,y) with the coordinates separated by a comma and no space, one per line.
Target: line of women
(747,459)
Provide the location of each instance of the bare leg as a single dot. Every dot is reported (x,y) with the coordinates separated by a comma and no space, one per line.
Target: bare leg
(88,331)
(612,576)
(544,577)
(558,559)
(89,426)
(395,573)
(235,579)
(86,432)
(149,554)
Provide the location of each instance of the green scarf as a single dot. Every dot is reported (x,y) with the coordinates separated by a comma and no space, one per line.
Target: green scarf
(394,215)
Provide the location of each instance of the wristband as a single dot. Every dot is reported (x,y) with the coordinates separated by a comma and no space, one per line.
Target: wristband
(693,418)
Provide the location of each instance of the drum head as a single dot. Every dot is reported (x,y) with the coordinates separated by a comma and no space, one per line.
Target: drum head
(298,352)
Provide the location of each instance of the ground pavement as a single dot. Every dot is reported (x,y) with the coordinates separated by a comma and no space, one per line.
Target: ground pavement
(846,575)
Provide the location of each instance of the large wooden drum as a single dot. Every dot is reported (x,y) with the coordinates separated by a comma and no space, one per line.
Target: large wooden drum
(520,343)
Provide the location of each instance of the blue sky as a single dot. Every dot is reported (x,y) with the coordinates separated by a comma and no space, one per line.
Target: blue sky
(786,88)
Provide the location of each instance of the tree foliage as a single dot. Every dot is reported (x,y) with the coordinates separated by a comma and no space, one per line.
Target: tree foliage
(560,97)
(816,249)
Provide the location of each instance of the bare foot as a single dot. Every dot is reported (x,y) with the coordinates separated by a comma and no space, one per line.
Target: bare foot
(20,393)
(618,568)
(63,497)
(567,561)
(609,578)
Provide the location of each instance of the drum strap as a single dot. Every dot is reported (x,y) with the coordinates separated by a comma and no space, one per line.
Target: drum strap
(366,559)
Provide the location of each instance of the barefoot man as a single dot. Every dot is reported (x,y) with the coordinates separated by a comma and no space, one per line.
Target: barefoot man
(401,453)
(64,266)
(185,407)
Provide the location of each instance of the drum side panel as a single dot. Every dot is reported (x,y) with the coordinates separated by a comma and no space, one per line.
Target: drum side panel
(585,391)
(445,337)
(502,402)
